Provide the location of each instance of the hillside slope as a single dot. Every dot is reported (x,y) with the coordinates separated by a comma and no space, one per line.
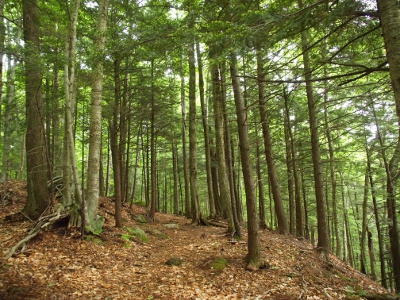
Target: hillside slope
(57,264)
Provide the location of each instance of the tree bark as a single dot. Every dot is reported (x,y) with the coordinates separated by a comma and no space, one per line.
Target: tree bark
(194,195)
(204,114)
(184,145)
(389,12)
(322,219)
(38,195)
(93,222)
(253,257)
(283,227)
(224,199)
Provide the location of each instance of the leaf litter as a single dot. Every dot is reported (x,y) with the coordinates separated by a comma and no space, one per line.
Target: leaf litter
(58,264)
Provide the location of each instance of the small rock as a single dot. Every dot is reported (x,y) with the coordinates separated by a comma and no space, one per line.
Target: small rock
(174,261)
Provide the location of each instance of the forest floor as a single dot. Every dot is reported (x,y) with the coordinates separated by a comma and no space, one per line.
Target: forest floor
(58,264)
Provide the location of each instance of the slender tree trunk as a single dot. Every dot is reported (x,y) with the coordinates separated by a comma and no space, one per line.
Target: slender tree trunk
(389,13)
(38,196)
(184,144)
(204,114)
(8,105)
(153,167)
(261,198)
(322,219)
(93,222)
(219,123)
(176,175)
(377,222)
(297,191)
(194,195)
(115,153)
(364,227)
(136,166)
(283,227)
(253,257)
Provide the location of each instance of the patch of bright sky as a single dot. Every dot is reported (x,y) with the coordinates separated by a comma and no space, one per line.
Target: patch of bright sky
(91,4)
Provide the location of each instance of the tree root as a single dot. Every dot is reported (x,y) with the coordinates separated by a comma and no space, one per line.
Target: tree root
(42,223)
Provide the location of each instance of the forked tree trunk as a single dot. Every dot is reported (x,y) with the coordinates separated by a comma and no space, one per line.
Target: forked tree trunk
(253,257)
(219,123)
(38,196)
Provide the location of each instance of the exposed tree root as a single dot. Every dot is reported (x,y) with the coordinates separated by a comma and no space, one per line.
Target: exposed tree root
(43,222)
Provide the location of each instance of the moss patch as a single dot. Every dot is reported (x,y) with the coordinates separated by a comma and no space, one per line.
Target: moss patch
(219,264)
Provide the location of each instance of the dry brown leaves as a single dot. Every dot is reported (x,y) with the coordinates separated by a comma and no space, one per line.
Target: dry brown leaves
(59,265)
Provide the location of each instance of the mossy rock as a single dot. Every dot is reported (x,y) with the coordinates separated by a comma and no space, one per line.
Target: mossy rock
(140,218)
(158,234)
(219,264)
(138,233)
(174,261)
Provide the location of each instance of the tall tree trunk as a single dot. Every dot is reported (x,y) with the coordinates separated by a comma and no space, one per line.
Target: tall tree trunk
(261,198)
(115,153)
(297,192)
(253,257)
(71,179)
(136,166)
(322,219)
(389,12)
(93,222)
(184,144)
(204,114)
(364,227)
(194,194)
(153,167)
(38,196)
(7,115)
(176,175)
(283,227)
(219,123)
(377,222)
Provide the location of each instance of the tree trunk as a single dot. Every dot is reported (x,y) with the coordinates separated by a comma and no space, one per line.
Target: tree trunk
(194,194)
(283,227)
(115,153)
(377,222)
(322,219)
(153,166)
(93,222)
(8,105)
(184,144)
(253,257)
(38,196)
(204,114)
(219,123)
(389,12)
(297,192)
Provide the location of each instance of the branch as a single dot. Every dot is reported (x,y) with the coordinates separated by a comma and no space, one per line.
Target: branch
(362,73)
